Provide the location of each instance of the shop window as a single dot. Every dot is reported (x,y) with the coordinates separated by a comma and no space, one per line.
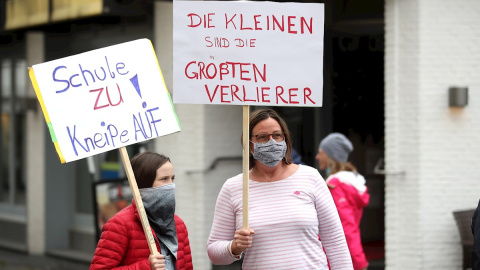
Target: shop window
(83,196)
(13,79)
(106,166)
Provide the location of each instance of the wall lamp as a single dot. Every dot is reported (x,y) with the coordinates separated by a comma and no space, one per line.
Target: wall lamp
(458,96)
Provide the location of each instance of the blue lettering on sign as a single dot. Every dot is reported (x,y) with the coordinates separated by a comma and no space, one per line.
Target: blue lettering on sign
(68,76)
(144,126)
(151,120)
(74,140)
(154,120)
(98,140)
(57,80)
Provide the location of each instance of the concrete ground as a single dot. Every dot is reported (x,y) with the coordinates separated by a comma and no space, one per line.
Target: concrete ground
(12,260)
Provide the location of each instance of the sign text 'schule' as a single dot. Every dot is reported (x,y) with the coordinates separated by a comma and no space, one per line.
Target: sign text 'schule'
(104,99)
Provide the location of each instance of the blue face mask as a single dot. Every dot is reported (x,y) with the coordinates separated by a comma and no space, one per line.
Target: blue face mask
(327,171)
(269,153)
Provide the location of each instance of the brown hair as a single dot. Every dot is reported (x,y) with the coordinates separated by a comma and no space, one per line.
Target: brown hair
(337,166)
(260,115)
(145,166)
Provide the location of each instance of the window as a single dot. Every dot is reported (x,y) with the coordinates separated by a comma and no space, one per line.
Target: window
(13,84)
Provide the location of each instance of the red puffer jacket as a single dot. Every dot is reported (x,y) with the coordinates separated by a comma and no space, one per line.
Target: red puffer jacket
(123,245)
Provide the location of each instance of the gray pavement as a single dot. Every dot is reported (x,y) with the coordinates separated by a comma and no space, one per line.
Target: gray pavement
(12,260)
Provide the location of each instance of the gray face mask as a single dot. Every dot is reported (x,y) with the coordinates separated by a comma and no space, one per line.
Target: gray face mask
(159,203)
(269,153)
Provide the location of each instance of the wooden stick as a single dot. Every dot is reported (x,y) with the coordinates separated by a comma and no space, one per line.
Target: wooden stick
(138,200)
(246,169)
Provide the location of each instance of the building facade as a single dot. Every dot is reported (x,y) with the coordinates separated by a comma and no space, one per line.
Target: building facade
(388,67)
(430,148)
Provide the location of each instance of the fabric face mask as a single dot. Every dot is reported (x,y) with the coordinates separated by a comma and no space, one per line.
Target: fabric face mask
(327,171)
(269,153)
(159,203)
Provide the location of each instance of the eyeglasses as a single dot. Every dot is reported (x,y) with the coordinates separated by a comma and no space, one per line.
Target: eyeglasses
(265,137)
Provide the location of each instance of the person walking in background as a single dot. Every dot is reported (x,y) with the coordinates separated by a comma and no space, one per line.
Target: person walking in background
(123,244)
(476,238)
(297,158)
(290,207)
(348,190)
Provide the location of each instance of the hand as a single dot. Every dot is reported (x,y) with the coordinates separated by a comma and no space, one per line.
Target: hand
(157,261)
(242,240)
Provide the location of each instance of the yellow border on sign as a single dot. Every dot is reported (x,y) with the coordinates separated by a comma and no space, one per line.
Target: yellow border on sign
(165,85)
(31,73)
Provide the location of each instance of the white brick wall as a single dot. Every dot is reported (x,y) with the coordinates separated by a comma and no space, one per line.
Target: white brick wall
(430,46)
(431,149)
(186,152)
(208,132)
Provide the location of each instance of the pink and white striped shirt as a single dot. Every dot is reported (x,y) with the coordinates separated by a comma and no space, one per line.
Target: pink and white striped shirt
(288,216)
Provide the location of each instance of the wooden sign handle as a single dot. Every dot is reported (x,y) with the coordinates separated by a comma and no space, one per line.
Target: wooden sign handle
(138,200)
(246,158)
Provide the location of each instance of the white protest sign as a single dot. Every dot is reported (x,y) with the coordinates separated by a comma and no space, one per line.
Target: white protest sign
(248,53)
(104,99)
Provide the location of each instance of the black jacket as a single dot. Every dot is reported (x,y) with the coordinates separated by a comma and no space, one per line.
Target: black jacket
(476,238)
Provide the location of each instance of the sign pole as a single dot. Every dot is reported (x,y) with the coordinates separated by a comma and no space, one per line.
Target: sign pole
(246,158)
(138,200)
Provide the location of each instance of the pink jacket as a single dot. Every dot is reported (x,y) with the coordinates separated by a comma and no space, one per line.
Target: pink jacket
(351,196)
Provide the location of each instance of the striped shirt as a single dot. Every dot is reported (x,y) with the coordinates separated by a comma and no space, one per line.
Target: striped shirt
(288,217)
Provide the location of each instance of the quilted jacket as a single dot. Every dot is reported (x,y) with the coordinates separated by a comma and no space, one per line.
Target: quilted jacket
(123,245)
(350,196)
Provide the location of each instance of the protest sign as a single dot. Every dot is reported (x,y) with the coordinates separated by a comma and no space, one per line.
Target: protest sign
(248,53)
(104,99)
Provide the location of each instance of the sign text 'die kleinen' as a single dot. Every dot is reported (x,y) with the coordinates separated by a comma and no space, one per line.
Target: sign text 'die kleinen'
(248,53)
(104,99)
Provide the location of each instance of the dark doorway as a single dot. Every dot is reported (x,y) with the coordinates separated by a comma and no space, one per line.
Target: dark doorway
(353,105)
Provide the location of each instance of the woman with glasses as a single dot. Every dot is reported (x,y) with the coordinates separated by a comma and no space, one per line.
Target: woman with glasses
(476,238)
(292,218)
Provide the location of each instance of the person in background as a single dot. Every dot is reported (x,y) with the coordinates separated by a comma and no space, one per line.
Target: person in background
(348,190)
(476,238)
(290,207)
(296,157)
(123,244)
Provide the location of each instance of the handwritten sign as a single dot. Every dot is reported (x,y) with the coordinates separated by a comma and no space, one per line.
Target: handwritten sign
(104,99)
(248,53)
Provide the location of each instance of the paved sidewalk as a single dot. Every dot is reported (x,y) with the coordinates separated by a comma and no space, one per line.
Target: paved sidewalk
(11,260)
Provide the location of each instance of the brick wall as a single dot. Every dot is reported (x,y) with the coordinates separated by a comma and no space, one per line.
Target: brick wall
(208,132)
(431,150)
